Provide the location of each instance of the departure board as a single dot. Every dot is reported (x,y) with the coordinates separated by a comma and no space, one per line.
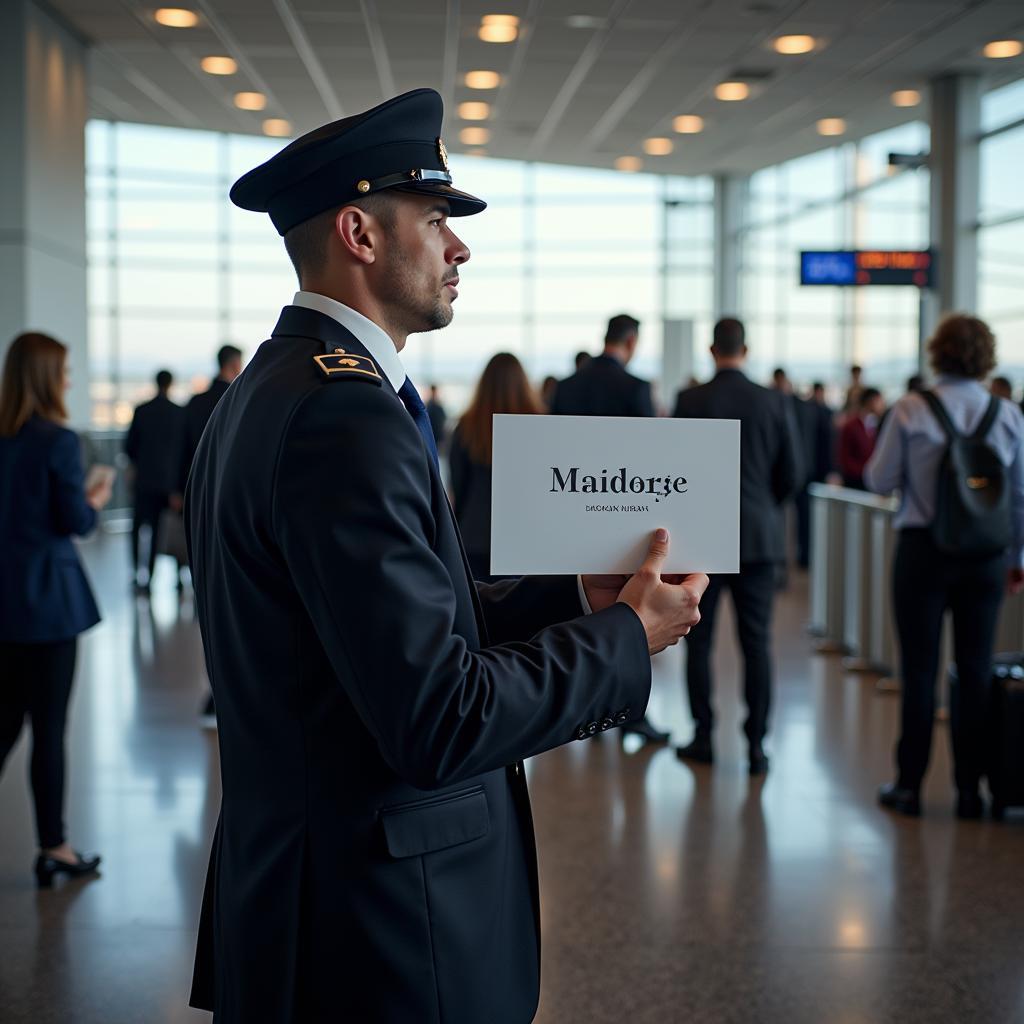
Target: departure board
(854,267)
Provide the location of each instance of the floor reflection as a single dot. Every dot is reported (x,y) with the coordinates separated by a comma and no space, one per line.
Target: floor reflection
(671,891)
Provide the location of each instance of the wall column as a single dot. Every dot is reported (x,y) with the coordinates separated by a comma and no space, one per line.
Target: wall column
(953,213)
(43,109)
(730,206)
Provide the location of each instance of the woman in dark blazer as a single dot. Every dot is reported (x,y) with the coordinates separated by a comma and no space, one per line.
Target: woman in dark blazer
(45,599)
(503,388)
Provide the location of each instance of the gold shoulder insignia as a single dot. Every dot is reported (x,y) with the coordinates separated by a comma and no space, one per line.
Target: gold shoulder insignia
(340,365)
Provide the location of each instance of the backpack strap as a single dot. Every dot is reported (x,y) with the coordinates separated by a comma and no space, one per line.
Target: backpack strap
(939,411)
(987,420)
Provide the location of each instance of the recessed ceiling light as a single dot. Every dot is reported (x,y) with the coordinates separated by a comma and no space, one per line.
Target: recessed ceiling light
(658,146)
(790,45)
(732,91)
(250,100)
(499,28)
(498,33)
(218,65)
(831,126)
(688,124)
(474,111)
(482,79)
(1000,48)
(475,136)
(629,164)
(905,98)
(277,126)
(176,17)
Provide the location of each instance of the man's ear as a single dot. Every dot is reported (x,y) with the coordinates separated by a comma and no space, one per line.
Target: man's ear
(358,233)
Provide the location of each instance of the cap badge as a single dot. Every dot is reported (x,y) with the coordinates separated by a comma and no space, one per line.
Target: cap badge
(363,186)
(442,152)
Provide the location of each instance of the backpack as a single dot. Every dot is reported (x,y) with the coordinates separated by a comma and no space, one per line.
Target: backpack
(972,500)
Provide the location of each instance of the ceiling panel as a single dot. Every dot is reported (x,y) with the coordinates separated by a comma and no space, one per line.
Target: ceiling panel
(659,58)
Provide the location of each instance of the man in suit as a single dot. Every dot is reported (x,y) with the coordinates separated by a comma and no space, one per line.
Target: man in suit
(815,424)
(602,387)
(152,445)
(374,857)
(770,473)
(200,408)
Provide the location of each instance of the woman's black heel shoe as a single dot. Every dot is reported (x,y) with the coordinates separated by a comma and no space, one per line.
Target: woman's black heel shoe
(47,867)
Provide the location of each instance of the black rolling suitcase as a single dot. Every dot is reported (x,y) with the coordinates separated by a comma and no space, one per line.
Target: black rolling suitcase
(1006,733)
(1004,740)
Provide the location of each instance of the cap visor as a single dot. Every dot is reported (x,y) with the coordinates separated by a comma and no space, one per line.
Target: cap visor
(462,203)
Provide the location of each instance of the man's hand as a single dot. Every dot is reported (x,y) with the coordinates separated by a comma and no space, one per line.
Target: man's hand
(1014,581)
(603,591)
(667,610)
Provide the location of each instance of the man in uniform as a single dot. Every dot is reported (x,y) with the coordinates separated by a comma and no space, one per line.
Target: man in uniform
(374,857)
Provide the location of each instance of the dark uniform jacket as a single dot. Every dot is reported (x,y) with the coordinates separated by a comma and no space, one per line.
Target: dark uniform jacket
(374,859)
(44,595)
(770,461)
(603,388)
(154,445)
(197,413)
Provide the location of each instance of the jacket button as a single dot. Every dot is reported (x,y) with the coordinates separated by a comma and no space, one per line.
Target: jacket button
(606,723)
(581,733)
(592,729)
(621,718)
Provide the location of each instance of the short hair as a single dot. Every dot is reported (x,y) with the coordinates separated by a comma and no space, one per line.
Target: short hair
(228,354)
(963,345)
(1003,382)
(778,372)
(164,380)
(729,337)
(306,243)
(581,359)
(868,395)
(856,368)
(620,328)
(817,386)
(915,382)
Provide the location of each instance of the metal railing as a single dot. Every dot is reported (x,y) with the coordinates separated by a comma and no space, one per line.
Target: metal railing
(852,547)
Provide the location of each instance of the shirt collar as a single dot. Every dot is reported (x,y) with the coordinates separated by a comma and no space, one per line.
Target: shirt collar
(372,337)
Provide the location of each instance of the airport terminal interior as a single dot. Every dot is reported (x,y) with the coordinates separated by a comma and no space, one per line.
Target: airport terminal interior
(837,176)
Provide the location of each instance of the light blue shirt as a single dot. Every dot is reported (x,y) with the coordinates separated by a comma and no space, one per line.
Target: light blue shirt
(912,442)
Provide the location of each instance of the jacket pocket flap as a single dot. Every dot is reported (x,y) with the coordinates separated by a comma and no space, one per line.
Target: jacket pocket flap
(435,824)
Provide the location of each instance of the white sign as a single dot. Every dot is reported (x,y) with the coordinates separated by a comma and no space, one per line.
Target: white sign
(583,494)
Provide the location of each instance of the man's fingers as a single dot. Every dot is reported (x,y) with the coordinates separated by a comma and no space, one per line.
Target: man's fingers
(657,552)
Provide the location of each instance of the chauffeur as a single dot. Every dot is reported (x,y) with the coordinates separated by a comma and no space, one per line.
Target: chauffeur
(374,858)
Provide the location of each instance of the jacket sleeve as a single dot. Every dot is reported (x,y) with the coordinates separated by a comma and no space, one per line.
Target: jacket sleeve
(517,609)
(357,536)
(71,513)
(886,468)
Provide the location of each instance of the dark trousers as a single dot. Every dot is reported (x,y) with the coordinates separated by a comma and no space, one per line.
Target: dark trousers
(148,506)
(925,583)
(36,681)
(753,590)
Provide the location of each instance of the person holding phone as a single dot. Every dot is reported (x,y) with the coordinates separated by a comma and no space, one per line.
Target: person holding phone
(45,598)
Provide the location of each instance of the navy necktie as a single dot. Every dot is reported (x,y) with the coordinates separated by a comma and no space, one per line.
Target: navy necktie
(418,411)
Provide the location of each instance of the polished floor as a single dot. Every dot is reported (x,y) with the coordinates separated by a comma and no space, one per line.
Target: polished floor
(669,893)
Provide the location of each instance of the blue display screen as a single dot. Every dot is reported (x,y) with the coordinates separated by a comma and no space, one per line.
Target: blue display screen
(828,268)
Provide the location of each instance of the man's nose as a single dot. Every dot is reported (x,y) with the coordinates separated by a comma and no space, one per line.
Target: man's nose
(458,252)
